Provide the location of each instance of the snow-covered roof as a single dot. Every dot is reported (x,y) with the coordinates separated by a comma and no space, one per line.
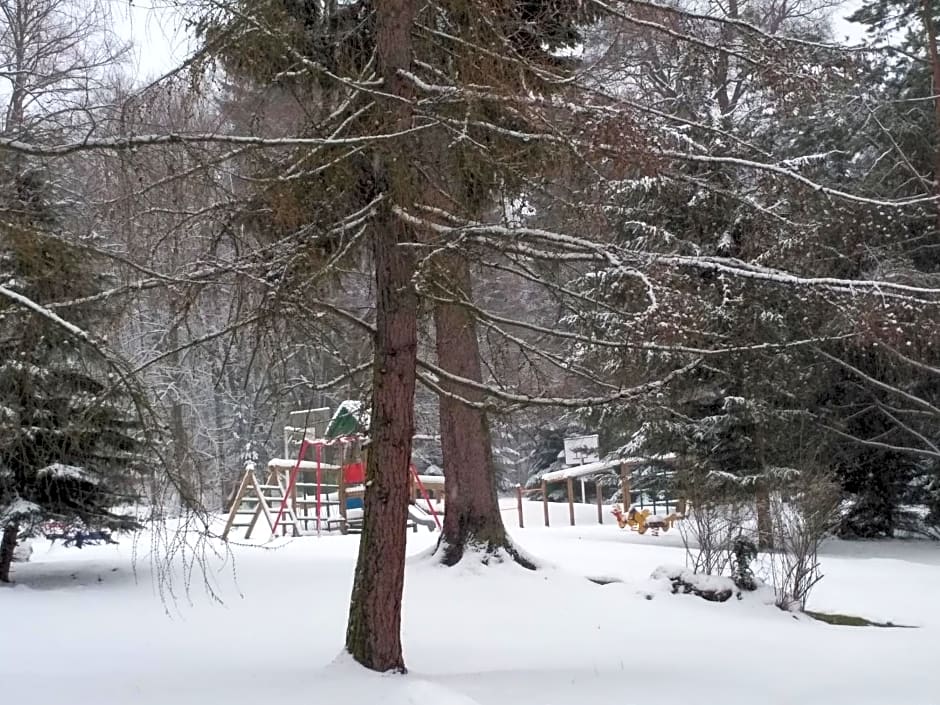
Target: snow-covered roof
(350,406)
(581,470)
(602,465)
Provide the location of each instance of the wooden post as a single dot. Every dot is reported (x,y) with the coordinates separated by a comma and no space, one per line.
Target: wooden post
(247,480)
(519,505)
(570,492)
(545,501)
(625,486)
(599,491)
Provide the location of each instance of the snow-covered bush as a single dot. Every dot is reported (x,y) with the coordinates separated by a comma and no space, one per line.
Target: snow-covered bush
(713,588)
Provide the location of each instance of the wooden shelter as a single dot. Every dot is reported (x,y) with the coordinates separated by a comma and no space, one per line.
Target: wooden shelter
(625,466)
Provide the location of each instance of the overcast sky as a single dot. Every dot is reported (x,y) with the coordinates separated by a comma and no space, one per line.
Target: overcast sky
(155,28)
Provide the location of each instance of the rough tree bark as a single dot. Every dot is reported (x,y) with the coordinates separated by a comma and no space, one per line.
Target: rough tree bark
(373,636)
(472,520)
(934,58)
(7,546)
(765,522)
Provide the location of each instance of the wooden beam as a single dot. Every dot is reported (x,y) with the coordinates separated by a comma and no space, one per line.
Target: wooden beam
(519,505)
(625,486)
(599,491)
(262,505)
(545,501)
(242,487)
(570,486)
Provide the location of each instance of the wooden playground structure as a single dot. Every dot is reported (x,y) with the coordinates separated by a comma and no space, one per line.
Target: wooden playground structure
(638,520)
(305,496)
(300,495)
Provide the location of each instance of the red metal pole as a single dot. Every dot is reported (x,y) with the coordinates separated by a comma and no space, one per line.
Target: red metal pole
(427,499)
(290,485)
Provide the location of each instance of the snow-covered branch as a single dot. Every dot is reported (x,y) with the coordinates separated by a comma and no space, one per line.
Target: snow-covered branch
(131,142)
(433,373)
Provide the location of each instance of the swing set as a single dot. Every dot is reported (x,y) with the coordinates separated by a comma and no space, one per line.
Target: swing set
(305,497)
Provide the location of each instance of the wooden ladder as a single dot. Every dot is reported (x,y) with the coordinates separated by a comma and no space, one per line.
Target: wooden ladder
(254,500)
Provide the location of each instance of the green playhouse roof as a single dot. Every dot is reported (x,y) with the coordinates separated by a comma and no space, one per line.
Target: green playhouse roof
(349,418)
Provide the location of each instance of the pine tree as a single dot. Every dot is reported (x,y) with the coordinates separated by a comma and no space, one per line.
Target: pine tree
(894,152)
(69,450)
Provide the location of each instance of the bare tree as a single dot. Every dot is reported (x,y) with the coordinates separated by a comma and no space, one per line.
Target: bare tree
(54,55)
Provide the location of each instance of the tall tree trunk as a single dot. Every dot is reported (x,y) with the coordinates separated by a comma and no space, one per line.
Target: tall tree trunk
(472,519)
(765,522)
(7,546)
(373,635)
(933,255)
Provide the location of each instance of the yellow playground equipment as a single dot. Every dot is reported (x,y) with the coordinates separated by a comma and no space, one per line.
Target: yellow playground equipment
(642,520)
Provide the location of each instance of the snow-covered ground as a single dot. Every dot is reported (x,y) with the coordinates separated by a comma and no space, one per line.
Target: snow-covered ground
(82,627)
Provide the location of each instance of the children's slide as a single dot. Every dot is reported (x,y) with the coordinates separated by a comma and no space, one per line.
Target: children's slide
(419,516)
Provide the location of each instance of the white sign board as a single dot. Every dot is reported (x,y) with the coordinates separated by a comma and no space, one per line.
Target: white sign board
(581,449)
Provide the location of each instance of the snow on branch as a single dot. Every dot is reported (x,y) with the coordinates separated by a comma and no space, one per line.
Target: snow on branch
(113,361)
(130,142)
(796,176)
(738,268)
(743,25)
(434,374)
(679,36)
(630,259)
(488,318)
(44,312)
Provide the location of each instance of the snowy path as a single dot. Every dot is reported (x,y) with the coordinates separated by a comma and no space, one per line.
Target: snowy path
(490,636)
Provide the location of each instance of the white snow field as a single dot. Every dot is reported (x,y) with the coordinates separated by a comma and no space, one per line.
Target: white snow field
(82,627)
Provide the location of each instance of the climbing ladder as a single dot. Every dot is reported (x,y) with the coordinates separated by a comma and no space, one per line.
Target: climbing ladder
(266,499)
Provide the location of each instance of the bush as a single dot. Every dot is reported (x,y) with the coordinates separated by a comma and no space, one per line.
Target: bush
(744,552)
(801,523)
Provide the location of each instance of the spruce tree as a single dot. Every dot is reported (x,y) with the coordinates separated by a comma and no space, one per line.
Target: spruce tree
(69,450)
(893,151)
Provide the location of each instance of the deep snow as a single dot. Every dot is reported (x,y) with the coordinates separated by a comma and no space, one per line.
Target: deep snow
(82,628)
